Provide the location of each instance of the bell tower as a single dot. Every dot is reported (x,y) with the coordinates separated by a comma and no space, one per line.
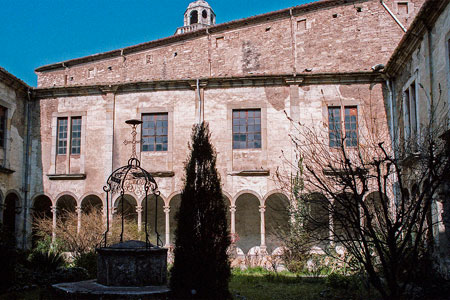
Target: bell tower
(199,14)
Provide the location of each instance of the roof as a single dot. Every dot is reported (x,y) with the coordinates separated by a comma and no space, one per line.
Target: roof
(283,13)
(424,20)
(12,80)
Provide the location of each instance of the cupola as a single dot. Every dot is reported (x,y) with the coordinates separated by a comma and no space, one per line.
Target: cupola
(199,14)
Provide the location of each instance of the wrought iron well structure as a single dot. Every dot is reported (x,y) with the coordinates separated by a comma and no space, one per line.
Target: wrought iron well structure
(132,178)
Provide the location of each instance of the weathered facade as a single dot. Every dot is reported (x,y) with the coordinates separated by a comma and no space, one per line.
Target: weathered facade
(419,99)
(248,73)
(15,194)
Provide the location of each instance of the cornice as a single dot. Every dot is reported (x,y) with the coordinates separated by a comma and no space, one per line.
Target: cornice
(12,81)
(211,83)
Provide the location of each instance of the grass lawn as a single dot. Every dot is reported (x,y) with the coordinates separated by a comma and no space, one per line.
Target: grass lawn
(257,284)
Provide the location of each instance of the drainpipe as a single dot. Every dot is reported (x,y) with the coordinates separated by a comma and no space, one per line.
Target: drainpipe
(391,109)
(430,65)
(393,16)
(26,180)
(199,102)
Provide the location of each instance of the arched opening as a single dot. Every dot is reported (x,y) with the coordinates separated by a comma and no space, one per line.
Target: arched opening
(42,208)
(346,217)
(10,211)
(128,210)
(276,220)
(161,218)
(318,218)
(65,206)
(248,222)
(90,203)
(204,14)
(174,204)
(193,19)
(375,211)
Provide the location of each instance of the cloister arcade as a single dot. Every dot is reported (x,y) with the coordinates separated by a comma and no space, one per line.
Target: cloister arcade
(254,221)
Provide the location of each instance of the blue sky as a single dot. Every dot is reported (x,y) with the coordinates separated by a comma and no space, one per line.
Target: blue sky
(39,32)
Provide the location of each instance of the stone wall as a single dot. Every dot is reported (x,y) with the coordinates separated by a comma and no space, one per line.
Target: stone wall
(333,37)
(425,67)
(14,192)
(284,65)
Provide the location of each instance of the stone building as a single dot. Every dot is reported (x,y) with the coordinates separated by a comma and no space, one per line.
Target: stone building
(242,77)
(15,146)
(419,97)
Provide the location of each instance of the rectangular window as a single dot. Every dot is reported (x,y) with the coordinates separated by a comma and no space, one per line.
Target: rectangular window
(351,126)
(403,8)
(75,137)
(2,126)
(334,126)
(154,132)
(346,124)
(246,129)
(61,144)
(410,111)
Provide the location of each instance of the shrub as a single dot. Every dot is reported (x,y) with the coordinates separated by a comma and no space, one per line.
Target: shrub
(87,261)
(46,262)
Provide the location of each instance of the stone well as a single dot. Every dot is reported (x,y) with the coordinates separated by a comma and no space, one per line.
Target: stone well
(131,263)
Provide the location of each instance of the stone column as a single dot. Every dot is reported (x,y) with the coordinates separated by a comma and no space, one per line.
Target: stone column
(54,209)
(233,220)
(139,215)
(262,210)
(166,212)
(78,210)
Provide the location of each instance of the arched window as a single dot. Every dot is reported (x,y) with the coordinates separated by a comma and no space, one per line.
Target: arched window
(194,17)
(204,14)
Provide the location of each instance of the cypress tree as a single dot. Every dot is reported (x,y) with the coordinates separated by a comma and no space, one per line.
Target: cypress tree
(201,269)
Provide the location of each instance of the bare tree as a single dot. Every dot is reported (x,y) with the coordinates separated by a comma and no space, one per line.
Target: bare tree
(378,202)
(89,235)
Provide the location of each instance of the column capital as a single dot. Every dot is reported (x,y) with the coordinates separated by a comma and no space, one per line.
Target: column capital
(262,208)
(78,209)
(53,209)
(166,209)
(139,209)
(233,208)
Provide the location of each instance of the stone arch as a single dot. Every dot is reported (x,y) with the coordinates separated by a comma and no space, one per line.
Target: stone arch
(248,192)
(374,200)
(318,219)
(2,198)
(248,220)
(174,203)
(228,202)
(228,197)
(19,197)
(41,208)
(65,194)
(91,201)
(193,17)
(11,210)
(129,206)
(344,212)
(66,203)
(273,192)
(276,219)
(160,217)
(37,195)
